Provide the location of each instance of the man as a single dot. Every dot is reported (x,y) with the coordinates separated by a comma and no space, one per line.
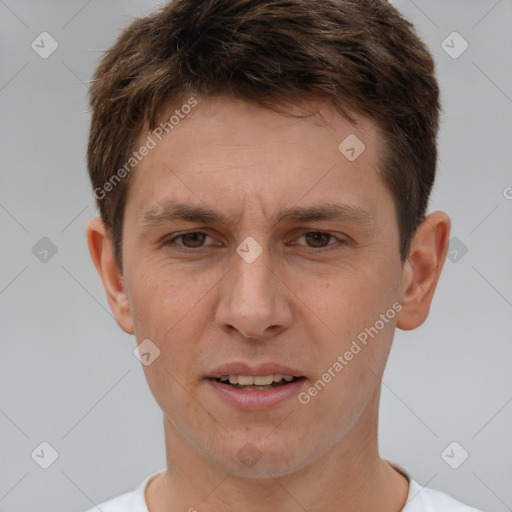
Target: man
(262,170)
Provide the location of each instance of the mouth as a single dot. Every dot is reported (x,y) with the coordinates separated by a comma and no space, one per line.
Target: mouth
(257,383)
(255,387)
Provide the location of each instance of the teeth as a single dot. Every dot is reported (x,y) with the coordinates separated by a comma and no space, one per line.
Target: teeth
(243,380)
(249,380)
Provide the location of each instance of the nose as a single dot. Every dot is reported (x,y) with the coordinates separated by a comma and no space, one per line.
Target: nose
(254,301)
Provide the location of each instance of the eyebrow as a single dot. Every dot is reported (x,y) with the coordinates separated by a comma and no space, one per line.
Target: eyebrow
(172,211)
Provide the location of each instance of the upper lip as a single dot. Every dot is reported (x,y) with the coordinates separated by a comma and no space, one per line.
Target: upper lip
(260,370)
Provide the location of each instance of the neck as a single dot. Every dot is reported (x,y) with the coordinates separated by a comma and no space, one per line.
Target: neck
(351,476)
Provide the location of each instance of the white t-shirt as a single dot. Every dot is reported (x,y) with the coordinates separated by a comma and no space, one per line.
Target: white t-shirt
(419,499)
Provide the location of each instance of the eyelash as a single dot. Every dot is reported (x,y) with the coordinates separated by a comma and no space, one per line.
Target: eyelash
(340,242)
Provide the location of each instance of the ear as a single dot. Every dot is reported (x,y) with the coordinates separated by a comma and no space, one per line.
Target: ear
(422,269)
(102,255)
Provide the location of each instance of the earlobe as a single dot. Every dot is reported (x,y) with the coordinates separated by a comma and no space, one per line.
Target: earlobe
(422,269)
(100,248)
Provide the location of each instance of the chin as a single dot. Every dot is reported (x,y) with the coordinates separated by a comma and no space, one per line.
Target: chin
(262,458)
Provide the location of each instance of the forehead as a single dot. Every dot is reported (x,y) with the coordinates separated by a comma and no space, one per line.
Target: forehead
(237,149)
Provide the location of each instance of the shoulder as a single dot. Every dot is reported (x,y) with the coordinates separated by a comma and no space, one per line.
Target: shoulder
(133,501)
(127,502)
(423,499)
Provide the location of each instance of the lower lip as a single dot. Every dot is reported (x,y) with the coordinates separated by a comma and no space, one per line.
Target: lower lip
(256,400)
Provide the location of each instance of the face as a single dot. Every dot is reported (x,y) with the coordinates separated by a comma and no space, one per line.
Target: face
(254,246)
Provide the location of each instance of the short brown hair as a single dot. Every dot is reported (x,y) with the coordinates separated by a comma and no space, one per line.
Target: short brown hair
(360,55)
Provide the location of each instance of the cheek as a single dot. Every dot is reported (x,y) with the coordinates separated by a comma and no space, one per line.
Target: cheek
(350,304)
(162,295)
(344,300)
(171,308)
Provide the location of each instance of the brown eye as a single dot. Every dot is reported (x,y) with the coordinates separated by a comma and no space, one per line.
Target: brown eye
(320,241)
(190,240)
(195,239)
(317,239)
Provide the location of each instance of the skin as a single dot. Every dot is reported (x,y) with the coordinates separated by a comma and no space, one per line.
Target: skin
(291,305)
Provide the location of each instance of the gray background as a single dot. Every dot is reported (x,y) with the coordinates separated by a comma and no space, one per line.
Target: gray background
(68,373)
